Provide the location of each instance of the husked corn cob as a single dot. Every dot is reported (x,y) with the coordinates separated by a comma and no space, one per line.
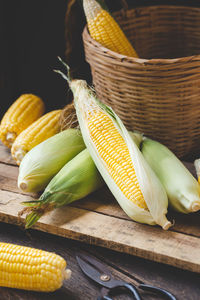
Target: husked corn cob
(113,150)
(105,30)
(24,111)
(42,129)
(31,269)
(118,159)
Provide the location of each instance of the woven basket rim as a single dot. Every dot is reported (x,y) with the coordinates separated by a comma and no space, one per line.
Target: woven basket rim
(141,61)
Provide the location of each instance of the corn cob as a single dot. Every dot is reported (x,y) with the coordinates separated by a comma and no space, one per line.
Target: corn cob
(31,269)
(105,30)
(182,188)
(42,162)
(118,159)
(40,130)
(24,111)
(77,179)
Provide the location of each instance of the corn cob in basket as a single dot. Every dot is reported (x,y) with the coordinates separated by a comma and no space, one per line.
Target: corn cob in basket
(105,30)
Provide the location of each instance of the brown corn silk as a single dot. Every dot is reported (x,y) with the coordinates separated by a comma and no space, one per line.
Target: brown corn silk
(68,118)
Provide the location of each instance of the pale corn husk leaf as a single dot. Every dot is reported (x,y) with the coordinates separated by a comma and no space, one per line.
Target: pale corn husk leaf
(153,192)
(43,161)
(136,137)
(197,168)
(182,188)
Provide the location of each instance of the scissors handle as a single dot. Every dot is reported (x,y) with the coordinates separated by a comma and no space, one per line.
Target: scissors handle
(128,286)
(135,293)
(154,289)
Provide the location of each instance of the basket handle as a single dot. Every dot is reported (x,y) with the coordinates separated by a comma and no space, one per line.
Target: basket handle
(124,4)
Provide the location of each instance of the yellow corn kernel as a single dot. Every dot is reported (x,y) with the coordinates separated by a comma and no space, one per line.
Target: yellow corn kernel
(42,129)
(31,269)
(105,30)
(24,111)
(115,154)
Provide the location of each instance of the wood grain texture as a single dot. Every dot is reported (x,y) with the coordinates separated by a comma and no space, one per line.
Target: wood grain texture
(79,287)
(100,221)
(5,156)
(183,284)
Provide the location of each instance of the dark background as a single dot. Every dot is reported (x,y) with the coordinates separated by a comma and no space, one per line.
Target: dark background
(33,34)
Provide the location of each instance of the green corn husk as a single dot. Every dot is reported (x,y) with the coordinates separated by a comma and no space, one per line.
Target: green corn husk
(182,188)
(77,179)
(45,160)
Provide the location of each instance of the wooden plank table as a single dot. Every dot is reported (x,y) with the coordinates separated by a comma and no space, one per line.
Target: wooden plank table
(184,284)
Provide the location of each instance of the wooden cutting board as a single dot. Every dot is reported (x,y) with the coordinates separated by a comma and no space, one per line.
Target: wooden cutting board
(99,220)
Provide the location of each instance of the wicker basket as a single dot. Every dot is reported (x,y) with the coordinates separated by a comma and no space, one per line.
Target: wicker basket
(159,97)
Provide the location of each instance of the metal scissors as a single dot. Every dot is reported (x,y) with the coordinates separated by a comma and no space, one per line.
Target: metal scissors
(98,272)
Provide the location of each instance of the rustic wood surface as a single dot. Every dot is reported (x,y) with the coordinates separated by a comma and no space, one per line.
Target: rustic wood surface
(85,219)
(183,284)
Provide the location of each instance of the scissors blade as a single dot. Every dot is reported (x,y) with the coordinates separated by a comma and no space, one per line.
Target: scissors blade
(96,270)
